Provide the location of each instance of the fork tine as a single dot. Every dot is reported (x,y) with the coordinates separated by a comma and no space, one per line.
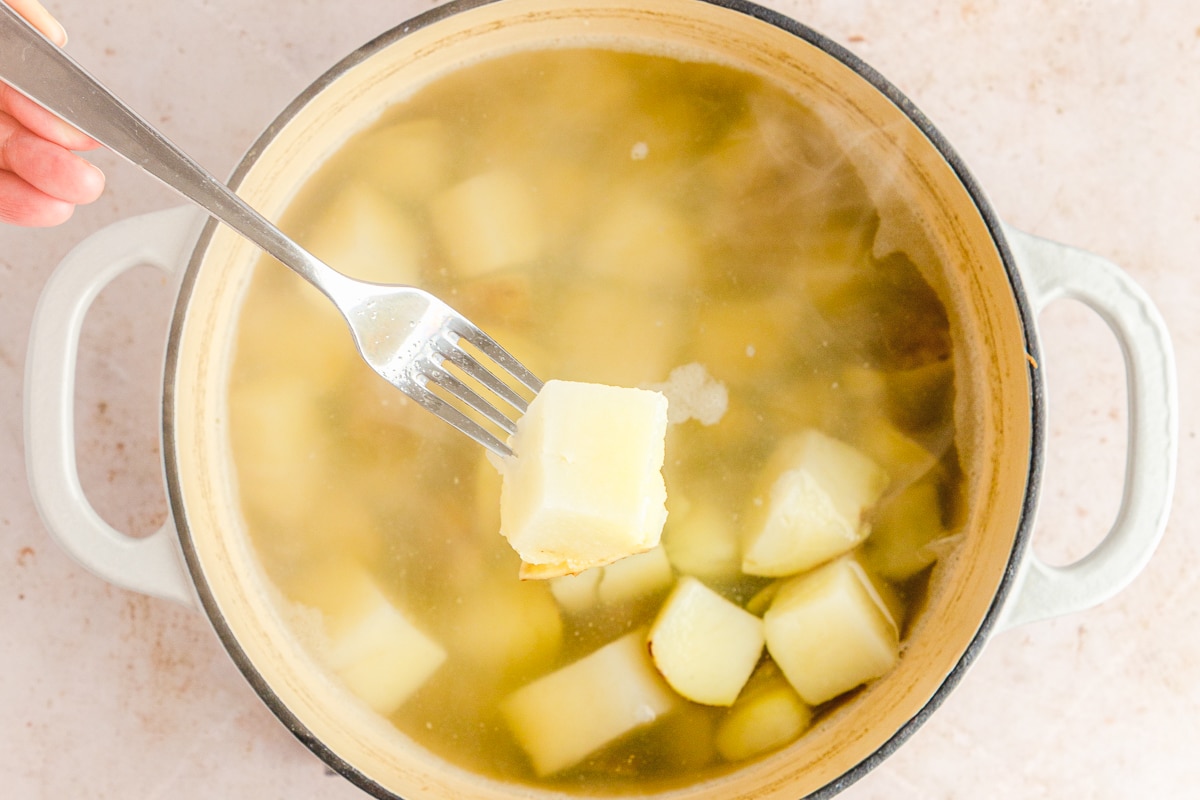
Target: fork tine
(469,365)
(431,402)
(456,387)
(490,348)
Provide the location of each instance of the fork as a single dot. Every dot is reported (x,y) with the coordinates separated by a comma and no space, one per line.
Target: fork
(411,338)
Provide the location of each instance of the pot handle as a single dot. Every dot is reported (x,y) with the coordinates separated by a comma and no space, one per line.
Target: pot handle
(1051,271)
(151,565)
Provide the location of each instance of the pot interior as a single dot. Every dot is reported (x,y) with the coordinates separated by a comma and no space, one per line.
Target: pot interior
(928,211)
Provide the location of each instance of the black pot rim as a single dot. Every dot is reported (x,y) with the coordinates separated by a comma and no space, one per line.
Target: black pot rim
(801,31)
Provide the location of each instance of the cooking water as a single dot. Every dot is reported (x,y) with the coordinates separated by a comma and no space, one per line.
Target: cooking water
(674,224)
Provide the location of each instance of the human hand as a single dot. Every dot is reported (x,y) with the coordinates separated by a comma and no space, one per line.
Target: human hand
(41,179)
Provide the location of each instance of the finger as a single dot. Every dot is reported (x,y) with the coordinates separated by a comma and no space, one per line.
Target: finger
(47,167)
(42,122)
(22,204)
(41,19)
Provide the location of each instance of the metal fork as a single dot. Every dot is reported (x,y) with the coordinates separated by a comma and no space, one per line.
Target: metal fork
(411,338)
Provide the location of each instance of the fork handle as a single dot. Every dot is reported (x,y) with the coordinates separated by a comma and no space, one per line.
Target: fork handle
(41,71)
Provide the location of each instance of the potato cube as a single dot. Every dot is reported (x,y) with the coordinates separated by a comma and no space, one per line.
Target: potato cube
(702,541)
(628,579)
(585,486)
(386,659)
(637,576)
(889,596)
(409,160)
(820,489)
(812,401)
(705,646)
(904,460)
(282,447)
(748,341)
(339,521)
(862,386)
(829,631)
(504,298)
(365,235)
(561,718)
(487,223)
(768,715)
(898,547)
(642,242)
(616,336)
(320,350)
(507,627)
(486,503)
(576,594)
(369,411)
(373,647)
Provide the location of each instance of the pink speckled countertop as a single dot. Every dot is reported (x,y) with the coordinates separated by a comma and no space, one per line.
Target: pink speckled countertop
(1081,120)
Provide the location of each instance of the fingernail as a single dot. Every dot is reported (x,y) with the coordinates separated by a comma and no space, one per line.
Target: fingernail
(99,182)
(58,34)
(48,24)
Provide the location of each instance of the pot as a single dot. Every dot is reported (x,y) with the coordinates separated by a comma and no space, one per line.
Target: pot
(996,282)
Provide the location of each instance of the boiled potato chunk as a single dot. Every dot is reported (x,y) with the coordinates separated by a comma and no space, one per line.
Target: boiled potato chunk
(507,627)
(637,576)
(904,460)
(319,351)
(829,631)
(769,714)
(561,718)
(641,242)
(748,341)
(703,541)
(386,659)
(889,596)
(372,645)
(820,489)
(903,529)
(488,222)
(486,498)
(585,486)
(497,299)
(628,579)
(609,334)
(704,645)
(279,425)
(576,594)
(340,520)
(409,160)
(366,236)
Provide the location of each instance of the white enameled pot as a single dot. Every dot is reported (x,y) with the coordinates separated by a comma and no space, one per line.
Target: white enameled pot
(995,282)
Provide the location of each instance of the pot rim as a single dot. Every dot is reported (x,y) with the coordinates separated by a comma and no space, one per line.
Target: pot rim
(776,19)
